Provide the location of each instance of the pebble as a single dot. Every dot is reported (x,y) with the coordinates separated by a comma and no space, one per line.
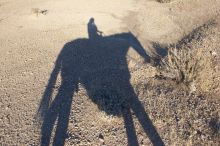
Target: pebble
(101,138)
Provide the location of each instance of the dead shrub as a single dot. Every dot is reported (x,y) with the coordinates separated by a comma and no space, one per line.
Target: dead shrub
(181,64)
(192,66)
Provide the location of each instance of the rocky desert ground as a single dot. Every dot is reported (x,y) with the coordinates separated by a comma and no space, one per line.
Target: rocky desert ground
(151,79)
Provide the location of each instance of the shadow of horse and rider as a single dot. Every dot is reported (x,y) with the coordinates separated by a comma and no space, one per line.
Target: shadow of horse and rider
(99,64)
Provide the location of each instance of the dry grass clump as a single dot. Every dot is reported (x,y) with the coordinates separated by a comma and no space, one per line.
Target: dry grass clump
(182,65)
(192,67)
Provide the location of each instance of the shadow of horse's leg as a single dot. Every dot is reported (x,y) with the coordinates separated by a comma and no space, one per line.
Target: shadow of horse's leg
(60,109)
(47,127)
(145,121)
(63,120)
(130,129)
(63,102)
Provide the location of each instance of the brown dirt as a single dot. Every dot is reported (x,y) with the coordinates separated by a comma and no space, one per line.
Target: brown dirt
(31,42)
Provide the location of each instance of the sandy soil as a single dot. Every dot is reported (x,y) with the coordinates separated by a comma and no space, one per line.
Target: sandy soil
(30,43)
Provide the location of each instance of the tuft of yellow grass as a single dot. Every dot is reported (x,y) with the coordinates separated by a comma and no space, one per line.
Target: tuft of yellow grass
(191,66)
(182,64)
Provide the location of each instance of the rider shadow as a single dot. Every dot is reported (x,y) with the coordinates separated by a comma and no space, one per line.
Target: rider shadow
(99,64)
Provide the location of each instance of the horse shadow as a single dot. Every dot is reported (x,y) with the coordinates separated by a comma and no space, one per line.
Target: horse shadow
(100,66)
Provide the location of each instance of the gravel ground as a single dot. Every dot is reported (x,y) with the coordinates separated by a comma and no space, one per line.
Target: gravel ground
(58,87)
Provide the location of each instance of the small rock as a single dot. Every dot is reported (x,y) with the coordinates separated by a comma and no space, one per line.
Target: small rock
(37,11)
(213,53)
(101,138)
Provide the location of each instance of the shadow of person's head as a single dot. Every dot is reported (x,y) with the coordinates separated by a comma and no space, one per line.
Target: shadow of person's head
(93,31)
(91,20)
